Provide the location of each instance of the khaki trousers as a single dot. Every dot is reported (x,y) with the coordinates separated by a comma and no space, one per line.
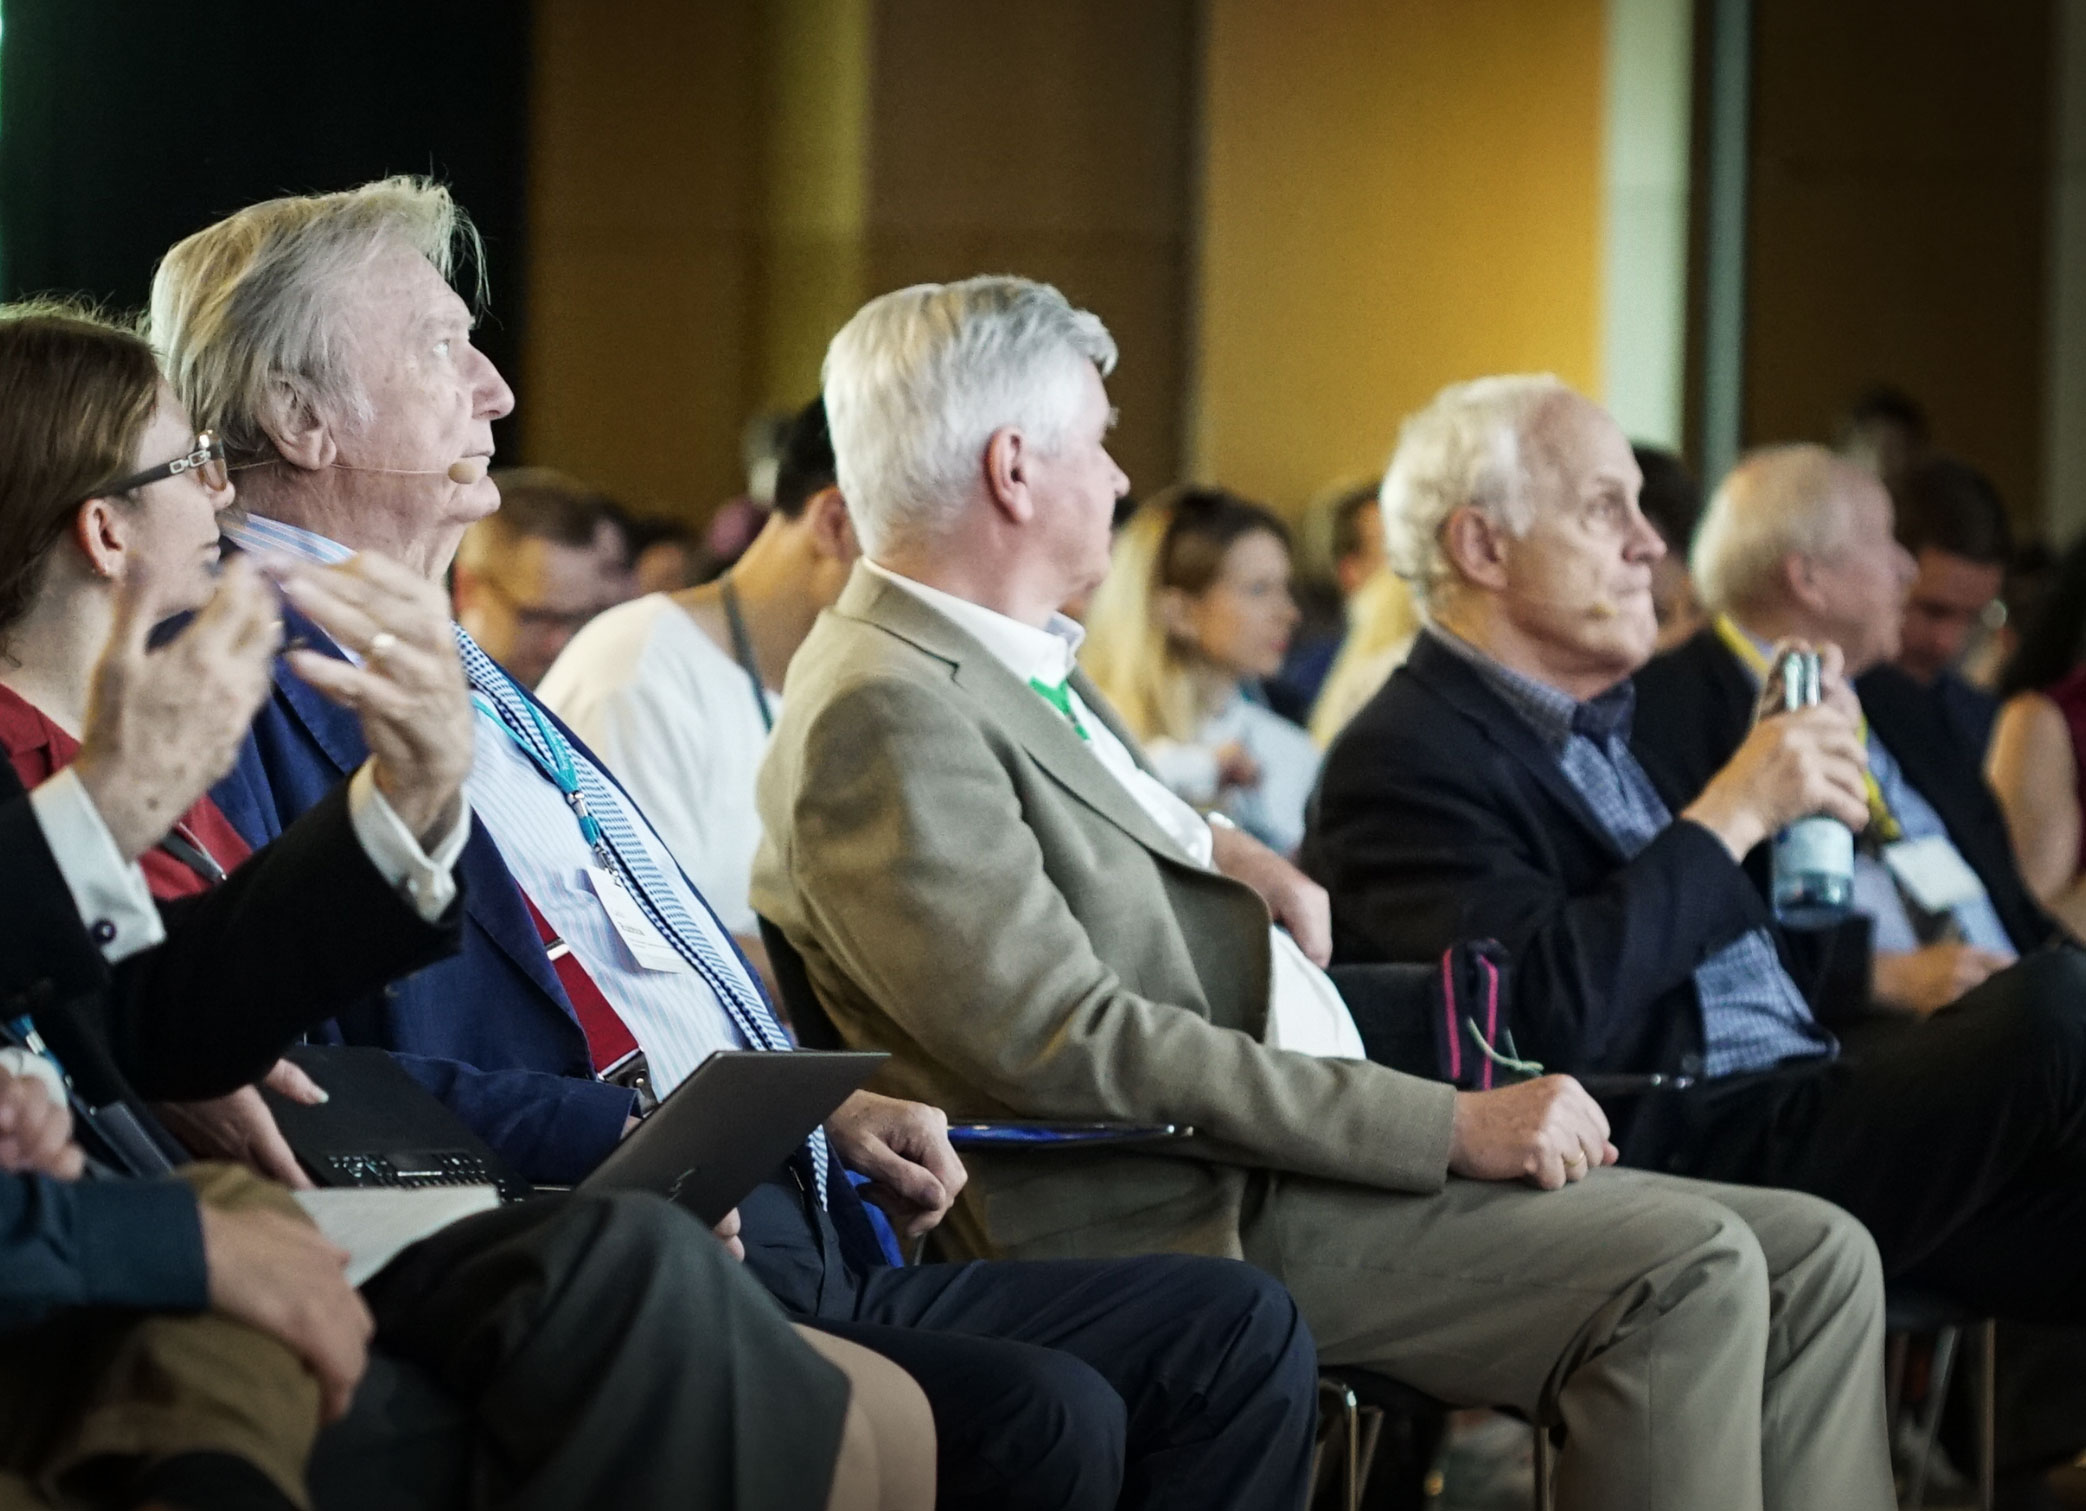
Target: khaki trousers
(92,1392)
(1703,1346)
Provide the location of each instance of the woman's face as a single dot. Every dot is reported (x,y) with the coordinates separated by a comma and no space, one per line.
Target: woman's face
(173,527)
(1242,622)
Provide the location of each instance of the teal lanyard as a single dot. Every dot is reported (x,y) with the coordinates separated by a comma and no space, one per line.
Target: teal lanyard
(557,767)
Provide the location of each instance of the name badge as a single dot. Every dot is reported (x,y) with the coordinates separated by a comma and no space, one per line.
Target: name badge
(1932,873)
(647,946)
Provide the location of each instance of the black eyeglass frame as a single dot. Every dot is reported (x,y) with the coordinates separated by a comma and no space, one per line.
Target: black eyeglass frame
(209,447)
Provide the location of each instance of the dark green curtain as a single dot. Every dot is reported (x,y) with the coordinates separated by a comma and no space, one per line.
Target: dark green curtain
(127,124)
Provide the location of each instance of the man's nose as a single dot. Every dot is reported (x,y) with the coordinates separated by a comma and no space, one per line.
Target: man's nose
(491,398)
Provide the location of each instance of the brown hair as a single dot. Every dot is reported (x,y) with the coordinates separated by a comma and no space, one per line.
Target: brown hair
(76,393)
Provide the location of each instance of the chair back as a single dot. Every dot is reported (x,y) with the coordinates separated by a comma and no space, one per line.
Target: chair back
(807,1015)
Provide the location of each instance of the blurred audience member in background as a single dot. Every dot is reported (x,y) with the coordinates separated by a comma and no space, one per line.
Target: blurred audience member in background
(529,576)
(677,692)
(1195,612)
(665,556)
(2037,762)
(1672,501)
(1951,519)
(1382,621)
(1797,545)
(1339,547)
(1885,430)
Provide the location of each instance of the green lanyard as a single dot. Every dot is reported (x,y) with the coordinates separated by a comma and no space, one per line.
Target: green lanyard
(1059,696)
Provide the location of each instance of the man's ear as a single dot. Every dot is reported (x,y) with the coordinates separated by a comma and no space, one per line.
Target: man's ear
(1007,458)
(97,529)
(832,532)
(301,434)
(1800,581)
(1476,547)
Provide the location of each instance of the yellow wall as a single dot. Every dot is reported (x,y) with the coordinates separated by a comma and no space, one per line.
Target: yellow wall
(1397,194)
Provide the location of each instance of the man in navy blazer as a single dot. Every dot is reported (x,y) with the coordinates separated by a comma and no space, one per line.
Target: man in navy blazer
(1490,790)
(593,977)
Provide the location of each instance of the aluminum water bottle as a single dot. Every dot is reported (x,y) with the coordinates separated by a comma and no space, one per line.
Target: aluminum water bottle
(1813,857)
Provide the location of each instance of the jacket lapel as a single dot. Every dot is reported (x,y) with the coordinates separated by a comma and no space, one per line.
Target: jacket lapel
(492,900)
(1044,733)
(1458,684)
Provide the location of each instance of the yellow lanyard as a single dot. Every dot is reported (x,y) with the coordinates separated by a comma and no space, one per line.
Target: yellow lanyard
(1883,824)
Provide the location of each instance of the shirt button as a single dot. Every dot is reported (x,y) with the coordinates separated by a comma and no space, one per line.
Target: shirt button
(103,931)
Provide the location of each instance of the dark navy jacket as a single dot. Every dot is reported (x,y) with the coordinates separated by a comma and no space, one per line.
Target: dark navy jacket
(242,969)
(490,1031)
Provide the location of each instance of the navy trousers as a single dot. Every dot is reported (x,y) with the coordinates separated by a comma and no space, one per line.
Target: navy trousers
(1165,1383)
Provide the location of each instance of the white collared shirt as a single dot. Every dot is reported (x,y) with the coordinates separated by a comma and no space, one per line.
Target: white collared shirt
(1305,1011)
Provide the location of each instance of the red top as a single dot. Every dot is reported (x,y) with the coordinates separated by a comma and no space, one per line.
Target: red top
(38,748)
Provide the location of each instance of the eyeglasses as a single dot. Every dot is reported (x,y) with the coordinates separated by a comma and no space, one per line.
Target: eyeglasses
(208,457)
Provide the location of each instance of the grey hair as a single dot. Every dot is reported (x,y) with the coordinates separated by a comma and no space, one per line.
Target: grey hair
(919,379)
(1777,502)
(1465,448)
(245,312)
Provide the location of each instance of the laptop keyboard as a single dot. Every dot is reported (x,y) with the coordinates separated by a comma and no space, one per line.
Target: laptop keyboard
(409,1167)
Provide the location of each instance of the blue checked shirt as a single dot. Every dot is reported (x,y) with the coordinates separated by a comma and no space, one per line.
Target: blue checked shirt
(678,1017)
(1753,1016)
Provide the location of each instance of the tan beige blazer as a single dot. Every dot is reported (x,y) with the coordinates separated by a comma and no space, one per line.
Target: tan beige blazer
(974,892)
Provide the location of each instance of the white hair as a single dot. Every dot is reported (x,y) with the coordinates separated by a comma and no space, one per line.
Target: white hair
(245,313)
(917,382)
(1465,448)
(1777,502)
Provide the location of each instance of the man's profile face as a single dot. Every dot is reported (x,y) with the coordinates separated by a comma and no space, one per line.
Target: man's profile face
(1948,601)
(1861,582)
(1076,483)
(1580,581)
(432,395)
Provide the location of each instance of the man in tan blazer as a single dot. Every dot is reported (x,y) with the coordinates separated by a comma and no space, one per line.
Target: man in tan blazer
(983,880)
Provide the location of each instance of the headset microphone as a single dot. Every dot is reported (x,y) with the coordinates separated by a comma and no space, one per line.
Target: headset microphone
(464,471)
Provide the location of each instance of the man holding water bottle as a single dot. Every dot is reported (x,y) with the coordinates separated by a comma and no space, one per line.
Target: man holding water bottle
(1490,791)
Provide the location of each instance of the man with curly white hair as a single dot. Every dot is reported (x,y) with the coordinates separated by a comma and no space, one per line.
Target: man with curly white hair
(983,877)
(1493,790)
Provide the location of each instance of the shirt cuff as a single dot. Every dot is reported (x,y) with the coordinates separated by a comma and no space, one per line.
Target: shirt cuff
(427,881)
(108,891)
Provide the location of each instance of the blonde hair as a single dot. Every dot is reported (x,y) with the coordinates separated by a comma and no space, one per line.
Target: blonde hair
(1779,501)
(1175,541)
(1382,623)
(245,313)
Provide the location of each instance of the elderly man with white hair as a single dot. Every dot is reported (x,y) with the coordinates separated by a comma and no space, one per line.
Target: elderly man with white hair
(1797,545)
(983,877)
(321,338)
(1490,791)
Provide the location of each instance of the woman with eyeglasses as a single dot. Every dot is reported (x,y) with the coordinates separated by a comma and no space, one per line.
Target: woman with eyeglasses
(1195,614)
(102,480)
(115,482)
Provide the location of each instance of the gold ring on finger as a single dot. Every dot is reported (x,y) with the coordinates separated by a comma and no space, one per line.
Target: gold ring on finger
(380,645)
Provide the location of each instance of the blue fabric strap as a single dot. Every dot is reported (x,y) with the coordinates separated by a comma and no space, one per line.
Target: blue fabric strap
(610,831)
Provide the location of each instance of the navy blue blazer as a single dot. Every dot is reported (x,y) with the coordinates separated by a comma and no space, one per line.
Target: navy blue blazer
(489,1031)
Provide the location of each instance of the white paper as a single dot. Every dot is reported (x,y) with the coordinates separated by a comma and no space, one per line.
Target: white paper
(1938,878)
(373,1223)
(647,946)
